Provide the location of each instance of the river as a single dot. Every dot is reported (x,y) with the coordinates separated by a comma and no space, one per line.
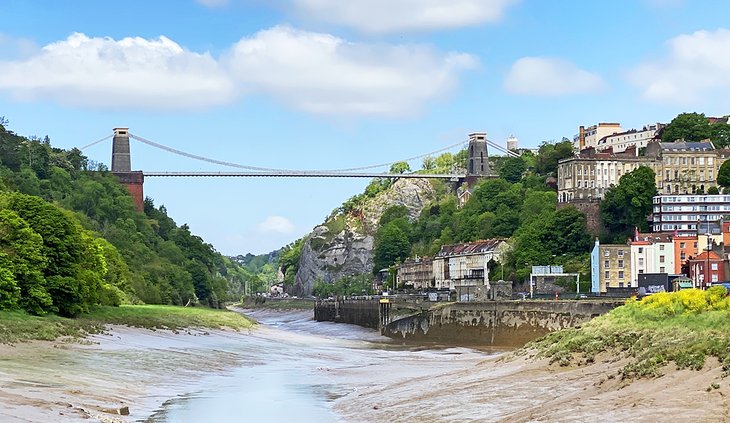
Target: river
(293,369)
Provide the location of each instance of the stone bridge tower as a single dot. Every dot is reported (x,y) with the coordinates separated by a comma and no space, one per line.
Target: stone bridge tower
(122,167)
(478,165)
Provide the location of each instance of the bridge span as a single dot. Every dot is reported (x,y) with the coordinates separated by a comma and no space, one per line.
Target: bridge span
(451,177)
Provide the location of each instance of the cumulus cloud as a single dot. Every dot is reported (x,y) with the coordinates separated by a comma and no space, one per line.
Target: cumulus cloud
(545,76)
(387,16)
(131,72)
(695,68)
(308,71)
(320,73)
(276,224)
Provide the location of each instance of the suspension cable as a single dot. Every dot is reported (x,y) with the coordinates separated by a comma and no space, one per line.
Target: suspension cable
(96,142)
(266,169)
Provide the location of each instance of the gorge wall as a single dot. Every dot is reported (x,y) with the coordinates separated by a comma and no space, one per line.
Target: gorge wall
(343,244)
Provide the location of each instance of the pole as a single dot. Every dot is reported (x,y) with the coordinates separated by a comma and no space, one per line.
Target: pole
(577,283)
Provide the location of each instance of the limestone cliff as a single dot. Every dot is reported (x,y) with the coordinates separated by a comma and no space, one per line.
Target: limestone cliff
(343,244)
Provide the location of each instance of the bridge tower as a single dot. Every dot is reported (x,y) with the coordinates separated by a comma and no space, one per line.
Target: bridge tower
(478,165)
(122,167)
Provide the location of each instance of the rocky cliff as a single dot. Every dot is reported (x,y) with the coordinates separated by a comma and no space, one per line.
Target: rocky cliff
(343,244)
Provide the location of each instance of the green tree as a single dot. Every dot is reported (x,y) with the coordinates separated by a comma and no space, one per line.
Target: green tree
(391,245)
(400,167)
(688,126)
(550,154)
(723,175)
(627,205)
(512,169)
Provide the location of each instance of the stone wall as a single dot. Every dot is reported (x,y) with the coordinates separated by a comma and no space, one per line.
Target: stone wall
(498,323)
(365,313)
(592,210)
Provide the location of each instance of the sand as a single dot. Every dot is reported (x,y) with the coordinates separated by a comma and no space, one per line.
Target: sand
(141,369)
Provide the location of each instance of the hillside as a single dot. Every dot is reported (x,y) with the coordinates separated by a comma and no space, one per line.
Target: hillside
(70,238)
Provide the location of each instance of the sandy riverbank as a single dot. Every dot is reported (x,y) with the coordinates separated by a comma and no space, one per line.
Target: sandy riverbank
(524,390)
(362,381)
(91,380)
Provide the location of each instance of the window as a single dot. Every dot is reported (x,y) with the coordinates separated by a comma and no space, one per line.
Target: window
(661,259)
(714,278)
(641,250)
(621,274)
(681,245)
(620,253)
(606,264)
(607,274)
(641,270)
(713,266)
(620,284)
(682,256)
(661,247)
(695,245)
(621,264)
(641,261)
(662,270)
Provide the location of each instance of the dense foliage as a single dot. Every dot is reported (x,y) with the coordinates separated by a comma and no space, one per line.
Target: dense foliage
(71,238)
(625,207)
(696,127)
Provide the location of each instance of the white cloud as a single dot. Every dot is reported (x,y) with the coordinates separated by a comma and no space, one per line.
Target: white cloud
(696,69)
(132,72)
(313,72)
(320,73)
(545,76)
(276,224)
(387,16)
(213,3)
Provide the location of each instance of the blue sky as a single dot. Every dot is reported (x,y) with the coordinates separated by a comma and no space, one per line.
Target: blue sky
(322,84)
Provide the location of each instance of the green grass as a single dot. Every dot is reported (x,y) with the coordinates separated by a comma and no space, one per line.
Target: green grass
(683,328)
(16,326)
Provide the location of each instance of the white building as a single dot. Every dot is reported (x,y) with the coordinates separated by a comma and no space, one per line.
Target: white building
(683,213)
(589,136)
(620,141)
(467,264)
(512,143)
(651,253)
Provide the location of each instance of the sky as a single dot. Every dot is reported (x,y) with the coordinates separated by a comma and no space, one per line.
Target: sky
(331,84)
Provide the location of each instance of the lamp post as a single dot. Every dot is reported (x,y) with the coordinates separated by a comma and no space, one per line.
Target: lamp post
(707,271)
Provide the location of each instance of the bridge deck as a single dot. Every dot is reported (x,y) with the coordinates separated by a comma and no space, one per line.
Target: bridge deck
(305,175)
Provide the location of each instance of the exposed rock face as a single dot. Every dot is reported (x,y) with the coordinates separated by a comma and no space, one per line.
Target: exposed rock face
(343,245)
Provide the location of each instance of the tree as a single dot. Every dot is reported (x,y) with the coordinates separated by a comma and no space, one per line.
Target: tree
(550,154)
(723,175)
(627,205)
(400,167)
(512,169)
(391,245)
(713,191)
(688,126)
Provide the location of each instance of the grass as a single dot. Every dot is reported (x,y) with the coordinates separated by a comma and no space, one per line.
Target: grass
(683,328)
(16,326)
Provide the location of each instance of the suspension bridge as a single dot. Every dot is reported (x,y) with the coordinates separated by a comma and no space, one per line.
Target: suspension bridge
(477,164)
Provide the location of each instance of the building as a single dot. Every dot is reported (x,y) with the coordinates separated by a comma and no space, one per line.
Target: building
(588,175)
(478,164)
(685,247)
(588,137)
(512,143)
(686,167)
(706,268)
(690,214)
(416,273)
(679,168)
(467,264)
(611,267)
(637,139)
(651,253)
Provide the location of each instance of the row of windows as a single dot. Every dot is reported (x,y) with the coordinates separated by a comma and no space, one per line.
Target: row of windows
(661,199)
(700,160)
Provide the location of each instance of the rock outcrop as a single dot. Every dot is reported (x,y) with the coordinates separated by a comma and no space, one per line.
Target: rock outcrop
(343,244)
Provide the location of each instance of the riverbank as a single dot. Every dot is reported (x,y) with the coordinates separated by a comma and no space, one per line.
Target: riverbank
(18,326)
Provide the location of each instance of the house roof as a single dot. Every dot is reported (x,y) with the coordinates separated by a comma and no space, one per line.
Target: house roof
(687,146)
(476,247)
(703,256)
